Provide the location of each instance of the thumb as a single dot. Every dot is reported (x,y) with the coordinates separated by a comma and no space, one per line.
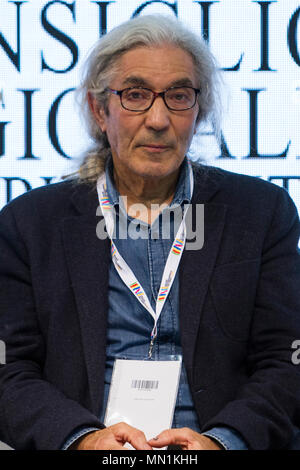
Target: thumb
(165,438)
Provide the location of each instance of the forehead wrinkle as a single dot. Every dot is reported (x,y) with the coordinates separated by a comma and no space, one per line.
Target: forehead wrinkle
(136,80)
(139,81)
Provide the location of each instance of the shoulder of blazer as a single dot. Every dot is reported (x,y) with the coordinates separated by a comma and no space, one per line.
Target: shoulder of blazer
(234,188)
(56,201)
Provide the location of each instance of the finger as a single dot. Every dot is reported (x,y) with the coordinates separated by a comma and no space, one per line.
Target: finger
(117,447)
(112,446)
(170,437)
(135,437)
(166,438)
(107,443)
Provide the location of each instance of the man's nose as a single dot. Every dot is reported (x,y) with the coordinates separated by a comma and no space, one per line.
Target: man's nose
(157,117)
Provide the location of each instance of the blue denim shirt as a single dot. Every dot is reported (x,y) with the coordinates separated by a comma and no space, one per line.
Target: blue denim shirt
(130,324)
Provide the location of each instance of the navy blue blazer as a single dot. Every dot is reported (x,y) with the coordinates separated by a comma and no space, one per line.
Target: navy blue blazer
(239,312)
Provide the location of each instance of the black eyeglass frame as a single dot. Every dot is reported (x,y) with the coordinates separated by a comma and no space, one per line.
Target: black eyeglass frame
(155,95)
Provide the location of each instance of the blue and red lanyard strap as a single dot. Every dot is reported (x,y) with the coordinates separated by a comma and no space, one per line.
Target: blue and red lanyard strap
(124,270)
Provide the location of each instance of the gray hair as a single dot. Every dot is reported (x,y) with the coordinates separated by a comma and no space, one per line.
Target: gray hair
(101,65)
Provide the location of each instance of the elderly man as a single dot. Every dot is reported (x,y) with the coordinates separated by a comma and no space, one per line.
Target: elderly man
(73,302)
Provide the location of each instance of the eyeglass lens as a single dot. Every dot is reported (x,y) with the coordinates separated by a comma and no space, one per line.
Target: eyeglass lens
(139,99)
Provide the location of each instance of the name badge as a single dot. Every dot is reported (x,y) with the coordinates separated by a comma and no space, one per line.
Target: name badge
(143,394)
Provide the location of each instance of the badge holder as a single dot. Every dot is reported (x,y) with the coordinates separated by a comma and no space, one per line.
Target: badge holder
(143,394)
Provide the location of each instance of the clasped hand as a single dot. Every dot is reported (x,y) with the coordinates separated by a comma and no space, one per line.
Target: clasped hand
(115,437)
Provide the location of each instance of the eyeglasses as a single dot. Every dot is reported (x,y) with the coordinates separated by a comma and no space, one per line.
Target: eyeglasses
(141,99)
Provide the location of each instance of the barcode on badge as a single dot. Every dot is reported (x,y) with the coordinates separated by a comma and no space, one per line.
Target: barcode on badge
(144,384)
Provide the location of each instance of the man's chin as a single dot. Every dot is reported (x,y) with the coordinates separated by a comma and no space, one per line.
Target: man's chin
(155,171)
(157,166)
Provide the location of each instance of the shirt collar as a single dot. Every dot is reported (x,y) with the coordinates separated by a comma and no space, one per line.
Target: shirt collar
(113,194)
(182,193)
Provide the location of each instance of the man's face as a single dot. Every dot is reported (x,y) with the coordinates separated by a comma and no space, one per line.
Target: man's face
(151,143)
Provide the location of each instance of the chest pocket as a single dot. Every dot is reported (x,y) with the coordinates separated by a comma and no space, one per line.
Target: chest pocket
(233,289)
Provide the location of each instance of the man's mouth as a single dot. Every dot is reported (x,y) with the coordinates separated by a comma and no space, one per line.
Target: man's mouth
(155,147)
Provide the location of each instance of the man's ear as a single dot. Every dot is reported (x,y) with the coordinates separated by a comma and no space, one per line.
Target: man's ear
(98,112)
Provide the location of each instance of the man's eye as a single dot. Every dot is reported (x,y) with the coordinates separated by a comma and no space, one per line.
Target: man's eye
(136,95)
(179,97)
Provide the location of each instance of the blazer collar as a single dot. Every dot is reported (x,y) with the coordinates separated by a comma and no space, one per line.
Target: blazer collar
(196,266)
(84,198)
(207,182)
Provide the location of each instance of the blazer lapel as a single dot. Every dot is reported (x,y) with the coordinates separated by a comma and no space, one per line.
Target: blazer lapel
(88,263)
(196,267)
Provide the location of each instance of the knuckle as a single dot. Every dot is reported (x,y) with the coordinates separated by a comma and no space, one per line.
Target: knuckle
(187,431)
(118,427)
(122,425)
(167,434)
(138,432)
(139,435)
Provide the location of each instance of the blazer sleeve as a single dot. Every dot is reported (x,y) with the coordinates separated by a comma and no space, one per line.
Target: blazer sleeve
(34,414)
(266,410)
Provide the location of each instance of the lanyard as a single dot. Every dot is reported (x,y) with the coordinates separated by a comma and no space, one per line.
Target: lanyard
(124,270)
